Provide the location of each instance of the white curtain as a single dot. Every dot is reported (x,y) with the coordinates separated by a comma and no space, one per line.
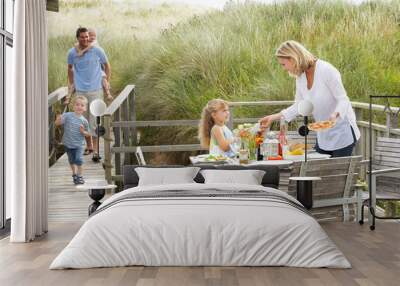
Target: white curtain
(26,123)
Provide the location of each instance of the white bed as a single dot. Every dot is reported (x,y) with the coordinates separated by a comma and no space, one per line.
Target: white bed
(206,230)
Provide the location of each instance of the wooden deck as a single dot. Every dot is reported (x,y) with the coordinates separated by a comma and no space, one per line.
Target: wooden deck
(374,255)
(66,203)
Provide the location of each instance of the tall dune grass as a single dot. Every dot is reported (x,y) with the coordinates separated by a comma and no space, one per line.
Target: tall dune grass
(230,54)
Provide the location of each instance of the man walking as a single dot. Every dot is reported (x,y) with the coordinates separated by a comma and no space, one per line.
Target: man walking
(85,78)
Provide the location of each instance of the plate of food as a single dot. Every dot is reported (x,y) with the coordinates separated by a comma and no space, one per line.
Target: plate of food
(296,145)
(310,156)
(202,156)
(321,125)
(211,158)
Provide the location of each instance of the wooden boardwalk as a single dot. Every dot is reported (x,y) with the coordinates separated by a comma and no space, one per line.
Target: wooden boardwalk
(66,202)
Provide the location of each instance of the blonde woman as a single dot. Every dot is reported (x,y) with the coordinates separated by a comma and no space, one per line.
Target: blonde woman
(320,83)
(213,133)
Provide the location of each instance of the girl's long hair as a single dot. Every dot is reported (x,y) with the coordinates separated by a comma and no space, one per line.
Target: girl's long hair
(207,121)
(302,58)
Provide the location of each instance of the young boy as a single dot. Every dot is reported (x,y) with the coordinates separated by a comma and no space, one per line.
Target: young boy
(75,129)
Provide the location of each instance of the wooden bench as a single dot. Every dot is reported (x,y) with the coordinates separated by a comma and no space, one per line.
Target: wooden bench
(385,181)
(334,197)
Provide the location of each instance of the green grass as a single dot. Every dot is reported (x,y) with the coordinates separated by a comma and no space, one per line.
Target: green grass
(73,4)
(230,54)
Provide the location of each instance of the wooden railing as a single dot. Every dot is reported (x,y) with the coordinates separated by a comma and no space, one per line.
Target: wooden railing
(121,110)
(54,98)
(121,128)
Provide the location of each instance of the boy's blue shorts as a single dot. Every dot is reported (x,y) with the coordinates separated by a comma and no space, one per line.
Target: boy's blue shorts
(75,155)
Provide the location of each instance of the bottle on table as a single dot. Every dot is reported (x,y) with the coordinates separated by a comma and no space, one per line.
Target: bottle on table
(282,137)
(259,155)
(259,141)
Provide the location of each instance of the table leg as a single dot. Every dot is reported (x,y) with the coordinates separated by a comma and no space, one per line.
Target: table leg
(304,193)
(96,195)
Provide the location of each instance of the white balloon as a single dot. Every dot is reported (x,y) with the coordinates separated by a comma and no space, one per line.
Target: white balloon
(98,107)
(305,107)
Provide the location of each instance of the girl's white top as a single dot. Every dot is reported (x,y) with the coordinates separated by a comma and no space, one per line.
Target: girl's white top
(328,95)
(214,147)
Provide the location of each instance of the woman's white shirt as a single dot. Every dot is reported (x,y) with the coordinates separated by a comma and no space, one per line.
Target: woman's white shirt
(328,95)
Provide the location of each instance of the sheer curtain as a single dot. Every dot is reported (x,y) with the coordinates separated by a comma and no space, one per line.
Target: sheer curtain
(26,123)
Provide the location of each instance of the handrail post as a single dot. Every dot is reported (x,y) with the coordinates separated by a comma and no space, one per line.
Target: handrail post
(132,117)
(52,99)
(359,117)
(359,147)
(119,135)
(117,142)
(388,123)
(107,148)
(230,121)
(52,149)
(125,130)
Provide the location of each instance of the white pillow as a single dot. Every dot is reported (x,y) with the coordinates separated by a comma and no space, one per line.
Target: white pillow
(166,176)
(248,177)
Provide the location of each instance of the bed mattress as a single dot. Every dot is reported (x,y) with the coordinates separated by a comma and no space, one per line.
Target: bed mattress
(201,225)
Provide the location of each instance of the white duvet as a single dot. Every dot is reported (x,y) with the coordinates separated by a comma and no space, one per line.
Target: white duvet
(200,231)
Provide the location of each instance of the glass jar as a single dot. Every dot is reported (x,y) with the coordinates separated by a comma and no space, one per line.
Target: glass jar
(270,147)
(243,153)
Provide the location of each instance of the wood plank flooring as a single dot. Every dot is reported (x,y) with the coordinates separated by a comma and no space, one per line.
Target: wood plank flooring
(374,255)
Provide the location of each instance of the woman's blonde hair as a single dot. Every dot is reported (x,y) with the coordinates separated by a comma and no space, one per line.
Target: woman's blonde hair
(302,58)
(207,121)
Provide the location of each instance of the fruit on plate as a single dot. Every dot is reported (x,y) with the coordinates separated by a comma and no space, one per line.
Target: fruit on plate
(298,151)
(220,158)
(212,157)
(297,145)
(279,157)
(321,125)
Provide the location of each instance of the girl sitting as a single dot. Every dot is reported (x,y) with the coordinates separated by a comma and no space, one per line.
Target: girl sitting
(213,133)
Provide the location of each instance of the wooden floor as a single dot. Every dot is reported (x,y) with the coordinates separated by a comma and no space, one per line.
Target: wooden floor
(374,255)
